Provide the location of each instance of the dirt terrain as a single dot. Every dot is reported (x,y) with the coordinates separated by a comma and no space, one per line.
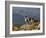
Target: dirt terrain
(33,26)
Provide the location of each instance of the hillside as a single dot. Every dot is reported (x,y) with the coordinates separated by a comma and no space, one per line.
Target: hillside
(33,26)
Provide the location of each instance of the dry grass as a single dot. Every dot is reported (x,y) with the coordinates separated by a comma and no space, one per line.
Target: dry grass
(33,26)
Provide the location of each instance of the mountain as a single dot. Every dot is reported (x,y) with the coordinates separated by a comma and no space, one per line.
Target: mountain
(18,19)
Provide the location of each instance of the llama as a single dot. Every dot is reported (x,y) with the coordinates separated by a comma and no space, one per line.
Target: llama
(28,19)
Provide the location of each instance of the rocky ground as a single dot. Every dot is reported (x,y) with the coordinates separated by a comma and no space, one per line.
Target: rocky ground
(33,26)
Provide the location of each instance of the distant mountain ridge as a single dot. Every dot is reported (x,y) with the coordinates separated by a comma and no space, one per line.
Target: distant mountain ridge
(18,19)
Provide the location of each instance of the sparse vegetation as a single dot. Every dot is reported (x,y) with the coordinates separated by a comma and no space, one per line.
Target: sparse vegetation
(33,26)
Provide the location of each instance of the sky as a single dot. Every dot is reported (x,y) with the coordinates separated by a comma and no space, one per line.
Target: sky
(20,12)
